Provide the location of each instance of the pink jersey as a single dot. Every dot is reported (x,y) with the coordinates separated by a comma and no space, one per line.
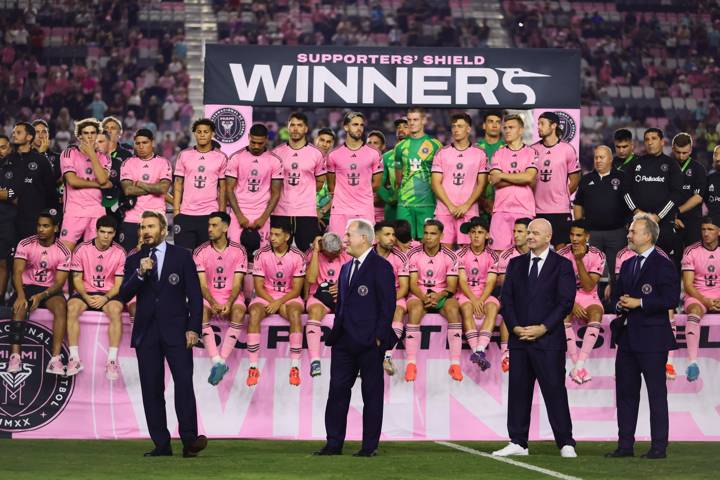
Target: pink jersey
(555,164)
(100,268)
(328,270)
(202,173)
(353,171)
(254,174)
(594,261)
(501,266)
(300,168)
(626,253)
(153,170)
(41,262)
(82,202)
(220,267)
(477,267)
(399,263)
(278,272)
(706,266)
(433,271)
(517,199)
(460,170)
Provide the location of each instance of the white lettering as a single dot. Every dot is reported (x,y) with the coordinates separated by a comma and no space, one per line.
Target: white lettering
(420,86)
(463,87)
(372,78)
(247,91)
(323,77)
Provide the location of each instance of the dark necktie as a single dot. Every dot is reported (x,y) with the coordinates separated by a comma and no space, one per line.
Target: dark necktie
(534,270)
(353,271)
(636,267)
(154,272)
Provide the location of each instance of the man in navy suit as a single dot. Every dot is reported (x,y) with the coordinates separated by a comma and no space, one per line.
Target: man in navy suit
(538,293)
(647,287)
(361,334)
(167,324)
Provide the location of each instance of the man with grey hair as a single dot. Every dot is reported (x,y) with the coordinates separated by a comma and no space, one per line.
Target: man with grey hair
(360,335)
(323,268)
(646,288)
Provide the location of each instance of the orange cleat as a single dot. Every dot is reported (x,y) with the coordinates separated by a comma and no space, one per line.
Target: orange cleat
(456,373)
(295,376)
(670,371)
(505,364)
(253,376)
(410,372)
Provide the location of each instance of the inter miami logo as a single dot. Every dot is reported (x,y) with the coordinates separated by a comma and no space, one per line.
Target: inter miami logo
(615,182)
(567,125)
(513,165)
(32,166)
(88,171)
(474,281)
(711,278)
(220,280)
(546,172)
(294,177)
(9,175)
(146,177)
(353,178)
(230,125)
(41,275)
(253,182)
(279,283)
(31,398)
(98,278)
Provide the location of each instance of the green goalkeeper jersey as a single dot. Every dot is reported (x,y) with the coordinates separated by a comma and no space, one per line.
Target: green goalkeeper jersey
(414,156)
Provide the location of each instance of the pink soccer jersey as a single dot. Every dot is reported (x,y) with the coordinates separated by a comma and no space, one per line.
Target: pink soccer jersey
(202,173)
(99,267)
(278,271)
(554,165)
(300,168)
(594,261)
(220,267)
(41,262)
(328,270)
(353,171)
(152,170)
(518,199)
(433,271)
(460,170)
(504,258)
(706,266)
(254,174)
(82,202)
(626,253)
(399,263)
(477,267)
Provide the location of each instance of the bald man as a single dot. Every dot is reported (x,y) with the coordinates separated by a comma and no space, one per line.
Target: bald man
(599,200)
(538,293)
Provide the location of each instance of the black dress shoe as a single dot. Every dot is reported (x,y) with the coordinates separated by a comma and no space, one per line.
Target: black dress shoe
(620,453)
(327,451)
(654,454)
(158,453)
(365,453)
(197,446)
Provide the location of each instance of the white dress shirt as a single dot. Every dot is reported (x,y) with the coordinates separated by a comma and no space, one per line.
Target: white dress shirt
(361,259)
(542,257)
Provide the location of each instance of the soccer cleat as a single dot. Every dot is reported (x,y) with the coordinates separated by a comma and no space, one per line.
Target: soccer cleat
(670,373)
(410,372)
(568,451)
(505,364)
(55,367)
(217,372)
(112,371)
(73,367)
(295,376)
(692,372)
(575,377)
(315,368)
(253,376)
(480,359)
(388,366)
(584,375)
(455,373)
(14,364)
(511,449)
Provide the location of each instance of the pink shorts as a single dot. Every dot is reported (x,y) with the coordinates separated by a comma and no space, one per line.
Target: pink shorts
(451,232)
(501,229)
(314,301)
(223,298)
(76,228)
(689,300)
(338,221)
(262,301)
(462,299)
(585,299)
(236,230)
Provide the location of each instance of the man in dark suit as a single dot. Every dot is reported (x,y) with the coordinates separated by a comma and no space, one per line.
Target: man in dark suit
(538,293)
(167,324)
(647,287)
(361,334)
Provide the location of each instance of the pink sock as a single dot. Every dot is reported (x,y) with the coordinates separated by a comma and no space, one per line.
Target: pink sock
(253,348)
(454,334)
(504,349)
(571,340)
(472,338)
(208,338)
(692,336)
(412,341)
(295,345)
(398,328)
(231,337)
(591,334)
(484,340)
(313,332)
(671,353)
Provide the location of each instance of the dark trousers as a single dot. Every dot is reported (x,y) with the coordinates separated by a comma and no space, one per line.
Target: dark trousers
(670,242)
(129,235)
(691,233)
(303,229)
(190,231)
(610,242)
(629,366)
(151,355)
(346,362)
(548,368)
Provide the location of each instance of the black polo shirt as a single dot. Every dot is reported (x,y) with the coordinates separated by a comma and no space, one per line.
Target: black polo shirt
(602,199)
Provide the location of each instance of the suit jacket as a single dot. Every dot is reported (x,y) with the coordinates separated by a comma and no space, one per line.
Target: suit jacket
(647,328)
(548,303)
(365,307)
(173,304)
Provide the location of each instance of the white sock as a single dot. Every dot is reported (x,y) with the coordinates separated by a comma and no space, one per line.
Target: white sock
(454,362)
(218,359)
(295,363)
(580,364)
(112,354)
(480,349)
(75,352)
(253,365)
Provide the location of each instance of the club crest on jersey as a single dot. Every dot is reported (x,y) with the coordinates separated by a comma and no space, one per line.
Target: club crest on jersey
(513,164)
(647,289)
(176,229)
(146,177)
(615,182)
(8,175)
(638,168)
(664,167)
(88,171)
(174,279)
(459,165)
(230,125)
(688,172)
(32,166)
(201,168)
(362,290)
(219,269)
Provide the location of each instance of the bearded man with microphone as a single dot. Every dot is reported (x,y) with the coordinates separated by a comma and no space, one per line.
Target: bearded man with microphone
(167,324)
